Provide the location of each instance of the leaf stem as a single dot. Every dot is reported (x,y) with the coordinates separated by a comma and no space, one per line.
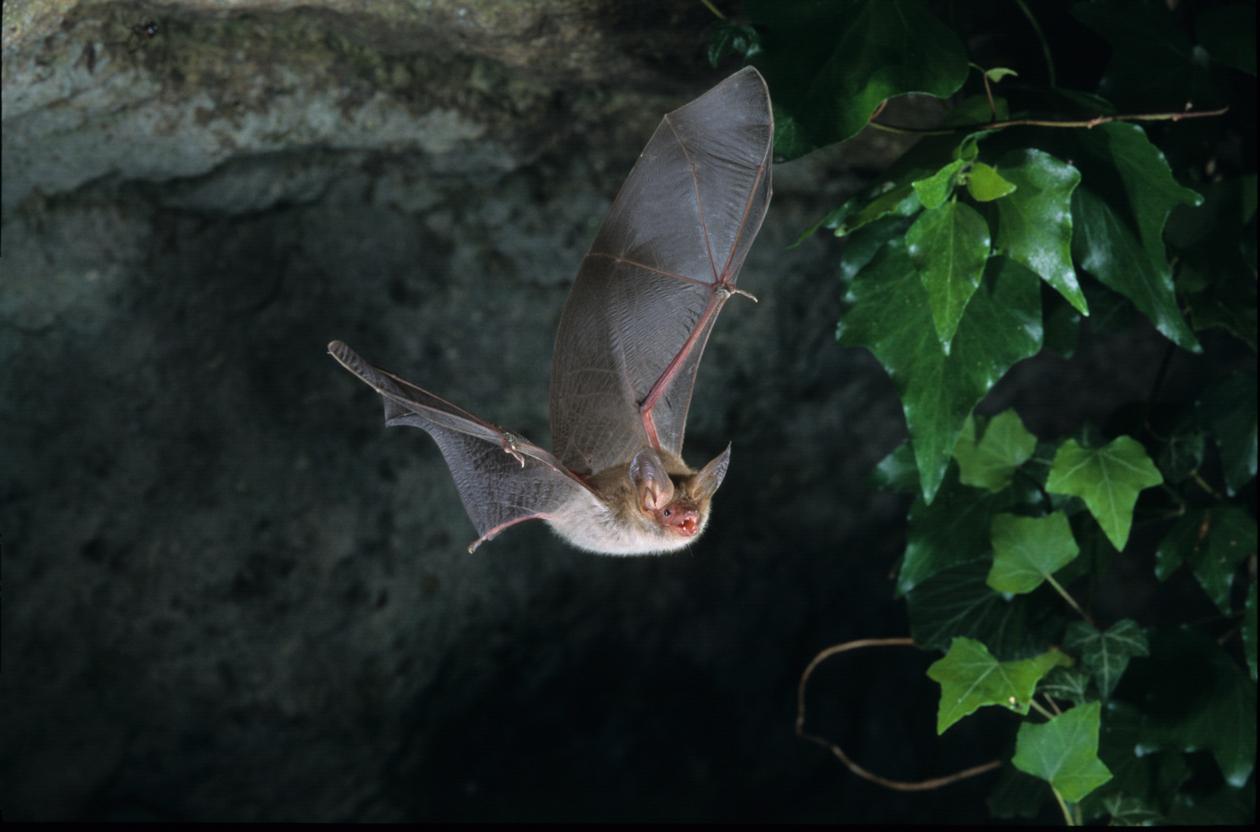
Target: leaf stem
(1199,481)
(1041,36)
(1037,707)
(1071,601)
(709,5)
(1063,807)
(1051,703)
(1047,122)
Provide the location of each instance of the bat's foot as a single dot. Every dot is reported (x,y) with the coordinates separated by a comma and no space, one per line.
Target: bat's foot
(727,291)
(511,449)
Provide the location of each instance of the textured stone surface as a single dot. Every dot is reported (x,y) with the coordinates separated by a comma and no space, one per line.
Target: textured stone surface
(229,593)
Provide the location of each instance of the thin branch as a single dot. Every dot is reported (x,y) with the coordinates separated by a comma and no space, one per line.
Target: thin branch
(1202,483)
(1048,122)
(1053,705)
(897,785)
(1045,47)
(1037,707)
(709,5)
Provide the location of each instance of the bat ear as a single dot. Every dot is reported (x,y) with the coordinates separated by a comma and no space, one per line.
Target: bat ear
(648,475)
(706,483)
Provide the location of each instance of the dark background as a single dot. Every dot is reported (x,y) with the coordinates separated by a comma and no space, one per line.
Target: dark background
(230,594)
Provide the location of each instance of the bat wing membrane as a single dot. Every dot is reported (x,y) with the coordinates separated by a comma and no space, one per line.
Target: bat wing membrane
(502,479)
(649,291)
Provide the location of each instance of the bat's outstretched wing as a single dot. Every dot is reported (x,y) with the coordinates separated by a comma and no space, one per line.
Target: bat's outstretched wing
(664,262)
(502,478)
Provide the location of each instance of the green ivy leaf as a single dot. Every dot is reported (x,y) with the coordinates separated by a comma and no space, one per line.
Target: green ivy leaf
(830,65)
(1182,453)
(898,201)
(956,602)
(1249,630)
(949,246)
(997,73)
(1150,778)
(1229,409)
(1028,550)
(890,316)
(1108,479)
(1213,543)
(1016,795)
(897,472)
(950,530)
(970,678)
(1035,221)
(1195,697)
(1106,654)
(985,184)
(1130,811)
(865,243)
(1064,752)
(1107,249)
(732,38)
(1146,180)
(990,462)
(1070,684)
(935,189)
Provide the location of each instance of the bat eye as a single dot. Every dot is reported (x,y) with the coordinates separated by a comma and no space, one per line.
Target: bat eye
(668,512)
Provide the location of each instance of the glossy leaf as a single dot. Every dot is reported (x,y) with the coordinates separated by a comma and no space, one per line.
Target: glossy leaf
(1016,795)
(990,461)
(950,530)
(897,472)
(1064,752)
(949,246)
(1213,543)
(1146,179)
(1106,654)
(890,315)
(1107,249)
(1229,409)
(899,201)
(1069,684)
(1195,697)
(957,602)
(985,184)
(935,189)
(1035,221)
(1028,550)
(1108,479)
(971,678)
(830,65)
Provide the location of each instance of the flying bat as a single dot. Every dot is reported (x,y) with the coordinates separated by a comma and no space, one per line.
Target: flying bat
(630,340)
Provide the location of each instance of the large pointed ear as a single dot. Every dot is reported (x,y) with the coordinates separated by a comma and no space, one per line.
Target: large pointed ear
(706,483)
(650,480)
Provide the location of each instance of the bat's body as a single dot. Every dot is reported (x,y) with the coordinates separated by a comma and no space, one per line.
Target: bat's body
(627,350)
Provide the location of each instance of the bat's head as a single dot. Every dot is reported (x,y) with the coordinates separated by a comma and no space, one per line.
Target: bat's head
(677,505)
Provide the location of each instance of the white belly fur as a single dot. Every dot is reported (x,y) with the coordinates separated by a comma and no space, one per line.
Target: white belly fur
(591,525)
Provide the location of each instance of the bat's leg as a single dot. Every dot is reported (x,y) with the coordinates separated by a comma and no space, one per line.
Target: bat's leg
(512,449)
(741,292)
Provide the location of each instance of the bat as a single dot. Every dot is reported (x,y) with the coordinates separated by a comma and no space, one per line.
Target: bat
(629,344)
